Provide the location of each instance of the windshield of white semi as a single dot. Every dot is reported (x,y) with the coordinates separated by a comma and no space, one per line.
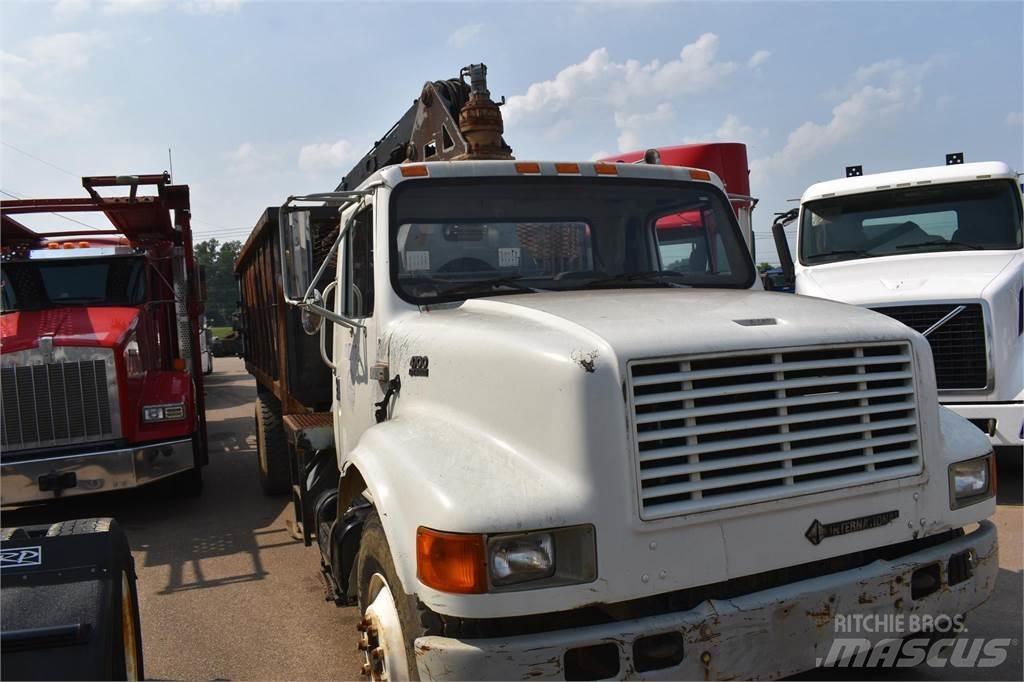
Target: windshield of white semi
(51,283)
(456,239)
(966,216)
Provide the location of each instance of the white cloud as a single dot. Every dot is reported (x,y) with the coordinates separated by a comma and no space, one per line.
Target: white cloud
(733,129)
(8,59)
(464,35)
(875,95)
(65,10)
(247,159)
(324,156)
(133,6)
(601,154)
(619,83)
(63,51)
(758,58)
(212,6)
(1015,118)
(636,130)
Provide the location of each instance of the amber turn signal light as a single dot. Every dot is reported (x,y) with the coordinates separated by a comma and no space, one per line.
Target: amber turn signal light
(700,175)
(417,170)
(451,562)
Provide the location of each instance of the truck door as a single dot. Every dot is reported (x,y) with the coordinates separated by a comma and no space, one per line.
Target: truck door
(355,350)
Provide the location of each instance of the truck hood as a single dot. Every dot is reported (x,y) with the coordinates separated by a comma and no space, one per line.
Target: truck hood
(910,278)
(103,326)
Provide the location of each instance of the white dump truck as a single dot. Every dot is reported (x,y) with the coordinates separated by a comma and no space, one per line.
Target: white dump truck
(940,250)
(565,444)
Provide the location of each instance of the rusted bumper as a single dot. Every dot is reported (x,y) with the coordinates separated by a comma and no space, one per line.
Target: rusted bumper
(763,635)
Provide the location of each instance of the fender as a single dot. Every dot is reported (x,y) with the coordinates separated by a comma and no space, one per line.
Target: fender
(420,470)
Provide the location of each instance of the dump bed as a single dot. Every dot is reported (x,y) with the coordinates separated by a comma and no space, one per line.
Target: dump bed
(278,353)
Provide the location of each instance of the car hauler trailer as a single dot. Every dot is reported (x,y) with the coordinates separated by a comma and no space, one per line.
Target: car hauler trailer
(548,456)
(939,249)
(102,386)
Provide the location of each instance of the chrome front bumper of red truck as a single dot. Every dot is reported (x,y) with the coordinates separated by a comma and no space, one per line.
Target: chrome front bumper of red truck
(44,478)
(762,635)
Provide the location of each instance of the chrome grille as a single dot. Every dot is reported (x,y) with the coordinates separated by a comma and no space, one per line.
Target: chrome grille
(716,431)
(958,345)
(58,403)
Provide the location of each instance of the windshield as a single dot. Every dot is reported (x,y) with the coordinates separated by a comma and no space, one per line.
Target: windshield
(947,217)
(39,284)
(455,239)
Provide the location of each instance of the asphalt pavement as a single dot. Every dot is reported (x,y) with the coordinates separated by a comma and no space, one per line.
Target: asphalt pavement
(226,592)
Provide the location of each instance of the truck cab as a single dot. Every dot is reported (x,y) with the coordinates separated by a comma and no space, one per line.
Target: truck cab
(940,250)
(102,386)
(563,449)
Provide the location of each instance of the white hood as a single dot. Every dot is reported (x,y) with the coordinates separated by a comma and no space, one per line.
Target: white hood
(913,278)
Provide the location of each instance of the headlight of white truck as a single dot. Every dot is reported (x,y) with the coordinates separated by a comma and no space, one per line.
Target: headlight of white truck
(971,481)
(468,563)
(163,413)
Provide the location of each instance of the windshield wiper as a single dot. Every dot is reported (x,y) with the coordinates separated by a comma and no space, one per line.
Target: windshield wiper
(461,286)
(839,252)
(919,245)
(655,276)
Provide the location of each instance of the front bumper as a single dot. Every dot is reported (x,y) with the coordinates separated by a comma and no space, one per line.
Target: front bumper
(763,635)
(34,480)
(1009,420)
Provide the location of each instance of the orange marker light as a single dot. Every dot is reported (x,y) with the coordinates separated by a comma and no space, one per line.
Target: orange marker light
(179,364)
(606,169)
(528,167)
(567,167)
(53,245)
(700,175)
(451,562)
(83,245)
(68,245)
(416,170)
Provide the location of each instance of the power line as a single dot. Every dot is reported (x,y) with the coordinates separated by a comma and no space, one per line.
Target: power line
(59,215)
(43,161)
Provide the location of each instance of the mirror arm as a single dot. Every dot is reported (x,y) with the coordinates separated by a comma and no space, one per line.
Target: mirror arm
(323,328)
(330,315)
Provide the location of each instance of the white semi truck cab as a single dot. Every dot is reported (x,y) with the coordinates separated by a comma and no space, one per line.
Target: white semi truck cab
(570,445)
(940,250)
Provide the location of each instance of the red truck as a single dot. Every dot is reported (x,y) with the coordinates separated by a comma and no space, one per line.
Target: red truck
(102,388)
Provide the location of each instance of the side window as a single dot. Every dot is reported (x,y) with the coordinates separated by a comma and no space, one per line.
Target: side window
(359,277)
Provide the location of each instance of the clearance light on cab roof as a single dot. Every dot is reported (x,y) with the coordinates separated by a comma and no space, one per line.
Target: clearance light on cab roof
(416,170)
(53,245)
(567,167)
(606,169)
(700,175)
(528,167)
(68,245)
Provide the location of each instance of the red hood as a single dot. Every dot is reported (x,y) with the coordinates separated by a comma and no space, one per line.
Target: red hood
(104,326)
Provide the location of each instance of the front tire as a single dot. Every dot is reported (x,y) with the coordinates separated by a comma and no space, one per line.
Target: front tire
(390,618)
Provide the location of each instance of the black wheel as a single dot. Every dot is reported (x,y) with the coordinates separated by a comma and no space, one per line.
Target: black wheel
(390,618)
(271,447)
(126,627)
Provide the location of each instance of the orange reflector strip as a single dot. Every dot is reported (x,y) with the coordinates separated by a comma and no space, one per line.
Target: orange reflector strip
(69,245)
(700,175)
(451,562)
(53,245)
(179,364)
(528,167)
(606,169)
(567,167)
(417,170)
(83,245)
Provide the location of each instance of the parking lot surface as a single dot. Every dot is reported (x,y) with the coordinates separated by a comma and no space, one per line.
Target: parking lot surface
(227,593)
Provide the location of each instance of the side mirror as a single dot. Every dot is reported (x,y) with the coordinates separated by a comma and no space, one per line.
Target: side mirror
(296,252)
(782,247)
(312,320)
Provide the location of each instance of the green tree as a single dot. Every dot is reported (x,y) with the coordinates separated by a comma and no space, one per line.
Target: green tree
(218,259)
(761,267)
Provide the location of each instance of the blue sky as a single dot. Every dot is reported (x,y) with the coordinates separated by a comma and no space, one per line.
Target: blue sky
(263,99)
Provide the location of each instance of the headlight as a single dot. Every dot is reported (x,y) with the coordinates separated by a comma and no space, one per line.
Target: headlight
(470,563)
(163,413)
(971,481)
(520,558)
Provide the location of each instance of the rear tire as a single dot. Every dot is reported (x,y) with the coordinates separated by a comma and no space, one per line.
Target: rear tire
(126,640)
(271,447)
(385,608)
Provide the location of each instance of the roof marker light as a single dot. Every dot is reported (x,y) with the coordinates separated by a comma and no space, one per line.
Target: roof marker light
(527,167)
(68,245)
(53,245)
(696,174)
(605,169)
(567,167)
(83,245)
(416,170)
